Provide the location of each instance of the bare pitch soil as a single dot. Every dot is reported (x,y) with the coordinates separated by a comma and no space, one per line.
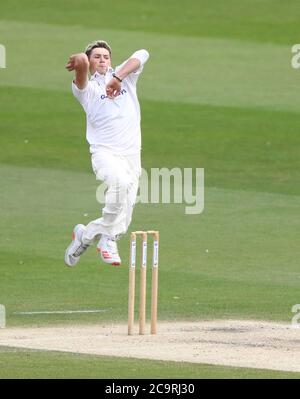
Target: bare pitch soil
(237,343)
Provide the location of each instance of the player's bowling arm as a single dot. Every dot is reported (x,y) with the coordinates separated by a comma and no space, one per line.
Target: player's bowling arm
(131,65)
(114,85)
(80,64)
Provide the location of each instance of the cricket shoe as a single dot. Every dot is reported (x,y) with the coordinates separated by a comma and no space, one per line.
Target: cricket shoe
(107,247)
(77,247)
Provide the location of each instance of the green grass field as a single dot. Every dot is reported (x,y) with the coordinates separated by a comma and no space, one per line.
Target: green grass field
(218,93)
(57,365)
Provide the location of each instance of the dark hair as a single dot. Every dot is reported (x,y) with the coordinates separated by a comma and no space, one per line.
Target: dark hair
(97,43)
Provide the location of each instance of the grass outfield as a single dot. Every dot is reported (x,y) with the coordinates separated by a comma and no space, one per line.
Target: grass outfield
(234,253)
(218,92)
(26,364)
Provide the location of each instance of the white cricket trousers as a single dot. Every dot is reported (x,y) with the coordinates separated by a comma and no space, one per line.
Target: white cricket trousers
(121,175)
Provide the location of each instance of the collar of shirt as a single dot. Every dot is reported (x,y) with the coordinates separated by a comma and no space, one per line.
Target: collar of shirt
(102,78)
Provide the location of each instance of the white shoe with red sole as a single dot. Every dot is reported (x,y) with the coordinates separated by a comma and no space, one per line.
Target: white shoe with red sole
(108,249)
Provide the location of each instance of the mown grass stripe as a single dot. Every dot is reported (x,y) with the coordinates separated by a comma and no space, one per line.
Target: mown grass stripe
(60,312)
(247,20)
(225,72)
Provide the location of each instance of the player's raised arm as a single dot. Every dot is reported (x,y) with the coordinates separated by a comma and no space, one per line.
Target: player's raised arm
(80,64)
(137,60)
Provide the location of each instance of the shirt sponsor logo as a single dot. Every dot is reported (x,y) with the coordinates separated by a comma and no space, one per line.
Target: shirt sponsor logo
(103,96)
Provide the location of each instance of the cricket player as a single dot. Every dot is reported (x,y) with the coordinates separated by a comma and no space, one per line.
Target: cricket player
(113,132)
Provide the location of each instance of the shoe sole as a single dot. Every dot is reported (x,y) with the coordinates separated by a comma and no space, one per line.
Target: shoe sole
(67,250)
(67,255)
(67,263)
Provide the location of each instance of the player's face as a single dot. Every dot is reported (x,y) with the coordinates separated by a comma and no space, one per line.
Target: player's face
(99,60)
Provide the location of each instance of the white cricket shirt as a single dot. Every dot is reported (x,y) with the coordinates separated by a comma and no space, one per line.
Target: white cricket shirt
(113,124)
